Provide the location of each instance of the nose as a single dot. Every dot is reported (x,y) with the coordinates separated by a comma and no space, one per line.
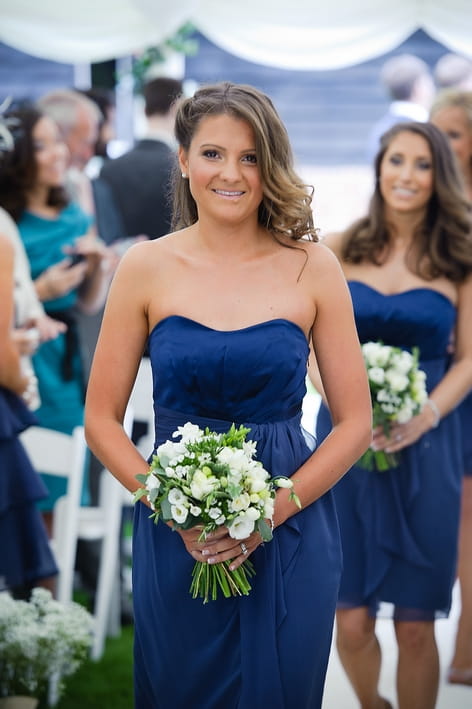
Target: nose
(406,171)
(231,170)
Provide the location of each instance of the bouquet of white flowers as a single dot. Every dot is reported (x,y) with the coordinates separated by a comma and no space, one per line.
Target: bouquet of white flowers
(40,639)
(397,390)
(211,479)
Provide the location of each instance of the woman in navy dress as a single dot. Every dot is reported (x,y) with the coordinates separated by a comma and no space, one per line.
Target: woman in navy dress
(409,265)
(228,305)
(26,558)
(451,112)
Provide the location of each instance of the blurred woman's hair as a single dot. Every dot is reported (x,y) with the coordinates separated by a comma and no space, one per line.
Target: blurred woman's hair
(18,167)
(443,241)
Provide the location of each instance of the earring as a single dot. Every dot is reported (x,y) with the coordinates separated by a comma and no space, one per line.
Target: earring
(184,175)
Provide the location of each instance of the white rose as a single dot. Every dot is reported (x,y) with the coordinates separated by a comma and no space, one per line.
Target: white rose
(376,375)
(241,502)
(403,362)
(201,485)
(396,380)
(253,513)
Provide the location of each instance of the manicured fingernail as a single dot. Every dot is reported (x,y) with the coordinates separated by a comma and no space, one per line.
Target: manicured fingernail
(205,552)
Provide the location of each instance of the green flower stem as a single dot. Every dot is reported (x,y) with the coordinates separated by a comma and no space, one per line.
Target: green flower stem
(207,579)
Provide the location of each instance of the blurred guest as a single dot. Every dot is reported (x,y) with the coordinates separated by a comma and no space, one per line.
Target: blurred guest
(26,559)
(452,113)
(410,88)
(66,263)
(139,179)
(453,71)
(105,101)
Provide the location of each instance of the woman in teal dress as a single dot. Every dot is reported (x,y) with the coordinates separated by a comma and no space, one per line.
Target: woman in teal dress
(228,304)
(409,268)
(54,233)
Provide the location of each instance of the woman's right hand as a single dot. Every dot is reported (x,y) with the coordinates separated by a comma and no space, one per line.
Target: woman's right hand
(59,279)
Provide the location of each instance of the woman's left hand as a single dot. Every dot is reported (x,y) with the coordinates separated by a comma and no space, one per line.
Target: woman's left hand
(219,547)
(402,434)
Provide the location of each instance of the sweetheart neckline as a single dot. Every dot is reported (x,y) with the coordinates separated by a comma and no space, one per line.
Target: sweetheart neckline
(229,332)
(404,292)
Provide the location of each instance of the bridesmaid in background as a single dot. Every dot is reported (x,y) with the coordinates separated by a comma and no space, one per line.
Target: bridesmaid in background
(26,559)
(409,266)
(452,113)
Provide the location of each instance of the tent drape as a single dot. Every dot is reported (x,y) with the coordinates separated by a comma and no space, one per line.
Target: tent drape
(292,34)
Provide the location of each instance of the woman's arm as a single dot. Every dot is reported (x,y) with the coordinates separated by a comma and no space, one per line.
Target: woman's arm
(94,288)
(117,356)
(344,381)
(10,372)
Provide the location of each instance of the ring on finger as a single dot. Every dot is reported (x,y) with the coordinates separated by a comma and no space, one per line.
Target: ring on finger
(244,548)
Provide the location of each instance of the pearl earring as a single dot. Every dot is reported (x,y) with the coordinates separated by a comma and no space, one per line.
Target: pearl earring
(184,175)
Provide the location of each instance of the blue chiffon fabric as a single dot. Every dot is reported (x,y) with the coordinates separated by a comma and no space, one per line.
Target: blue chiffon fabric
(399,527)
(270,648)
(26,555)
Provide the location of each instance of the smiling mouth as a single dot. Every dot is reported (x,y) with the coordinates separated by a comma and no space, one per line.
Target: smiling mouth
(404,191)
(229,193)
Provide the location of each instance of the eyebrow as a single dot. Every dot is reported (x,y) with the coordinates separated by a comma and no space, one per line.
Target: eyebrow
(219,147)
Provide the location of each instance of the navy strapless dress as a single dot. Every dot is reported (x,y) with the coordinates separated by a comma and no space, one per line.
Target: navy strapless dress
(270,648)
(26,555)
(399,528)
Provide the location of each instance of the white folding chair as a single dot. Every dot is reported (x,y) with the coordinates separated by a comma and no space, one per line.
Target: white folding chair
(103,523)
(141,401)
(62,455)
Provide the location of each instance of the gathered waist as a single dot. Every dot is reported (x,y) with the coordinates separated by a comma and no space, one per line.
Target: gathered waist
(171,418)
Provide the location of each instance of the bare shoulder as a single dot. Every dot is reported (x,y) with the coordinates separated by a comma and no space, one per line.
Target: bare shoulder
(150,255)
(322,259)
(334,241)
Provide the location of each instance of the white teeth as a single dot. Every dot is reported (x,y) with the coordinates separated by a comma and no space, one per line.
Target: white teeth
(404,191)
(226,193)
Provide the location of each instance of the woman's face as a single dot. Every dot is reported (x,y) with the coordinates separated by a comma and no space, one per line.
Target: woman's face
(222,169)
(406,173)
(452,120)
(50,154)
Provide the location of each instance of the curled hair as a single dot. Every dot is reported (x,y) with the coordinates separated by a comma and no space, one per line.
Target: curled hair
(18,168)
(285,209)
(443,241)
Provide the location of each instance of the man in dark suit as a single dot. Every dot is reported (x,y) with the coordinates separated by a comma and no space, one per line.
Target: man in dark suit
(139,179)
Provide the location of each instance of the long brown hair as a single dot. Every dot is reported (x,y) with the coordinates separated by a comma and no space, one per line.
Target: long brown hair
(443,242)
(285,209)
(18,168)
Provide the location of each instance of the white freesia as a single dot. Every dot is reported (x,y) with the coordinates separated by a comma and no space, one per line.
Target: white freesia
(189,433)
(284,482)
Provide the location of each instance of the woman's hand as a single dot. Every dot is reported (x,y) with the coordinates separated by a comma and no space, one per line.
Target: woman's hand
(60,279)
(219,546)
(403,435)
